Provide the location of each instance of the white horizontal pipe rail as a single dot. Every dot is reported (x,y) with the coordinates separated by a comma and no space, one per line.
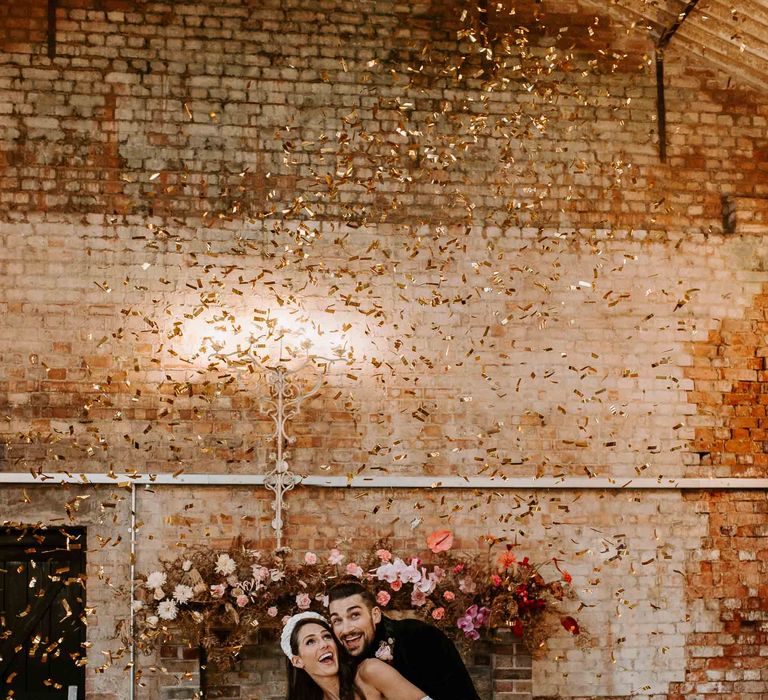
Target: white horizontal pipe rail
(393,482)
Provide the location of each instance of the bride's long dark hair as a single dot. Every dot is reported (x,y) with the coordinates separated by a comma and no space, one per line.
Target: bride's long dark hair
(300,683)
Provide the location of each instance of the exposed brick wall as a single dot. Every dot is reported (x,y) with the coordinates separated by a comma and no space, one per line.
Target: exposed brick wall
(729,390)
(249,106)
(725,653)
(523,287)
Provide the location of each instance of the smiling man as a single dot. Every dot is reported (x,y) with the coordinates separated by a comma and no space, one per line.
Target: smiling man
(419,651)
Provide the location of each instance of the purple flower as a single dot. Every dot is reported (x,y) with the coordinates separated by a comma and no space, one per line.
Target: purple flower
(473,619)
(482,616)
(466,624)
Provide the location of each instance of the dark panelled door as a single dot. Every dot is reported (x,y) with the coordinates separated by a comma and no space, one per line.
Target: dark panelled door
(42,614)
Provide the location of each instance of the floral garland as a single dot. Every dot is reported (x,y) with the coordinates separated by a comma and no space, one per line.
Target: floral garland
(217,599)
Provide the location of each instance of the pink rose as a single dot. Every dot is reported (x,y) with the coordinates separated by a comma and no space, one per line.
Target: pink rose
(241,600)
(418,597)
(449,596)
(384,554)
(496,580)
(272,611)
(382,598)
(310,558)
(354,570)
(303,601)
(218,590)
(396,585)
(438,613)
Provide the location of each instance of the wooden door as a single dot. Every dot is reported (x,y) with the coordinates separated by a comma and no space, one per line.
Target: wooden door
(42,614)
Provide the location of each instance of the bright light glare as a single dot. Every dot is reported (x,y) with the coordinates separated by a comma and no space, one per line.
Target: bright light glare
(213,337)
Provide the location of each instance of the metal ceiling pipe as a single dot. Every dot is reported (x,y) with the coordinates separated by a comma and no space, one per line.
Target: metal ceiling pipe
(661,45)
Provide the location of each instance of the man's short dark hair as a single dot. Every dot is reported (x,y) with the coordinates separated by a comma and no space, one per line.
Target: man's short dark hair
(345,589)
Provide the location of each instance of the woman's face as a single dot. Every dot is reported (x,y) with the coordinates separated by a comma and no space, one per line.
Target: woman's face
(317,651)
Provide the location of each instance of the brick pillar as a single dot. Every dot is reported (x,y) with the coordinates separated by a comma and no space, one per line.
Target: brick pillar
(511,669)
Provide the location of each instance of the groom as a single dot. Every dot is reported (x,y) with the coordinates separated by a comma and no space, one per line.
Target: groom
(419,651)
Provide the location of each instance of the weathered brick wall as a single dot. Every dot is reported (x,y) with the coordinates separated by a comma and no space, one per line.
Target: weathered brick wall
(518,284)
(364,110)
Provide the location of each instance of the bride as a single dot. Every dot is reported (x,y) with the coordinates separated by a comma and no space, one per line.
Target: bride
(319,670)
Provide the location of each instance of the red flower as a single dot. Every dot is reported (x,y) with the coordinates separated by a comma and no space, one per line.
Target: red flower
(570,624)
(517,628)
(567,577)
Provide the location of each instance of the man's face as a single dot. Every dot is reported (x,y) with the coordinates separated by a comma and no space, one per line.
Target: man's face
(354,623)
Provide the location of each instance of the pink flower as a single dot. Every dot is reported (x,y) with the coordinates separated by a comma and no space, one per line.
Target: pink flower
(382,598)
(284,620)
(496,580)
(384,652)
(218,590)
(458,568)
(303,601)
(241,600)
(482,616)
(272,611)
(472,620)
(335,557)
(440,541)
(438,613)
(354,570)
(384,554)
(387,572)
(418,597)
(396,585)
(310,558)
(466,624)
(259,573)
(427,583)
(410,573)
(449,596)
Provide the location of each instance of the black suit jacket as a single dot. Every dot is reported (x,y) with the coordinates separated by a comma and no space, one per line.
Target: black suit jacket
(427,658)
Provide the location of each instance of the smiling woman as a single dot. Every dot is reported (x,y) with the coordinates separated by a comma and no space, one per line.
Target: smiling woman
(315,669)
(318,669)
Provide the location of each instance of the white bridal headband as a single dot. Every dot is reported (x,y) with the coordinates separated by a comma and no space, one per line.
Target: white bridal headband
(285,637)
